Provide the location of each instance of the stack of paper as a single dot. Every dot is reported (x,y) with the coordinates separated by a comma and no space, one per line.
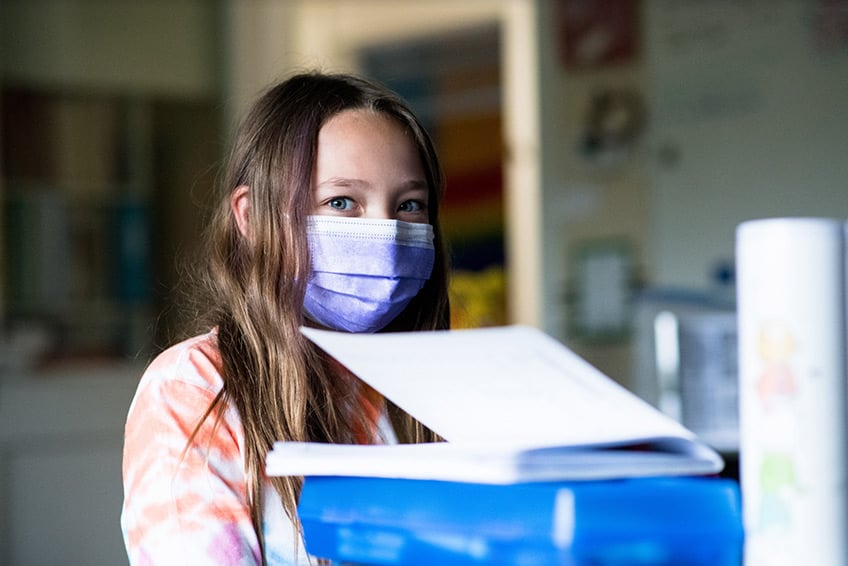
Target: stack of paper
(514,404)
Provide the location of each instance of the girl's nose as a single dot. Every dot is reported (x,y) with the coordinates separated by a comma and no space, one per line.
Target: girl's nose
(381,211)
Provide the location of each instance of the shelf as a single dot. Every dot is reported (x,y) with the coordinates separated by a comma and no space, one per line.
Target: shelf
(77,220)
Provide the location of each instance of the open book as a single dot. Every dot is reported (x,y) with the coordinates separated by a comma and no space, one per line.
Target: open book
(514,404)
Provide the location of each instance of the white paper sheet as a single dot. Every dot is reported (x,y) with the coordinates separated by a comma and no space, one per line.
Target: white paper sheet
(514,385)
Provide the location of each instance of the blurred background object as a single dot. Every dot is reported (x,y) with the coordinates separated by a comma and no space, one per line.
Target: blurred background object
(563,125)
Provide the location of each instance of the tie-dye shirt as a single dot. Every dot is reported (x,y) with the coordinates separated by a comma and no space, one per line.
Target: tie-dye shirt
(190,506)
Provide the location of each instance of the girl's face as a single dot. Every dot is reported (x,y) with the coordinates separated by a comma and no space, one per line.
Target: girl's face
(367,166)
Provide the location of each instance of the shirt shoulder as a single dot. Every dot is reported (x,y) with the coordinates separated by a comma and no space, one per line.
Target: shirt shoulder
(184,484)
(195,361)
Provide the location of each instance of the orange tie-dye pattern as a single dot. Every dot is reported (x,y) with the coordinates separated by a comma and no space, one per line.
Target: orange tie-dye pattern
(189,505)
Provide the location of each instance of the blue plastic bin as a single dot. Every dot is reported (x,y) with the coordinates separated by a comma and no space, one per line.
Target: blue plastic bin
(633,522)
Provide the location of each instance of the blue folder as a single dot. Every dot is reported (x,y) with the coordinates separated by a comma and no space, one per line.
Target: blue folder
(684,521)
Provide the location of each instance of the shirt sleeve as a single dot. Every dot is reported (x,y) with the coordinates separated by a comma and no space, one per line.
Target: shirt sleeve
(184,504)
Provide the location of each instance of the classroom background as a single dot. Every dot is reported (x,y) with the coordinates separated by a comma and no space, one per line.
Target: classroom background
(599,156)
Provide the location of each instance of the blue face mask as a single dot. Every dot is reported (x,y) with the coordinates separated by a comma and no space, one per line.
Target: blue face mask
(365,272)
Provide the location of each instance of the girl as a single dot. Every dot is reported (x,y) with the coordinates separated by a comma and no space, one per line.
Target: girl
(329,218)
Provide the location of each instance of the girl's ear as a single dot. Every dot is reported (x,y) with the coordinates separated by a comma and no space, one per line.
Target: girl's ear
(240,205)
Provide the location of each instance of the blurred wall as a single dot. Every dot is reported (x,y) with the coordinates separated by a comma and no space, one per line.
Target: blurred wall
(749,118)
(157,46)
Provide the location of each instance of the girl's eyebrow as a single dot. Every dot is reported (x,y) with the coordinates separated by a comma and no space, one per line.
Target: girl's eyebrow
(415,184)
(348,182)
(342,182)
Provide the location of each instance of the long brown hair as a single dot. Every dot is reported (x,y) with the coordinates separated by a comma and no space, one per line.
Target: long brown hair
(252,289)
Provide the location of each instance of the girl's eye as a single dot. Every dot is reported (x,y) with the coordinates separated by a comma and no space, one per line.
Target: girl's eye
(411,206)
(340,203)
